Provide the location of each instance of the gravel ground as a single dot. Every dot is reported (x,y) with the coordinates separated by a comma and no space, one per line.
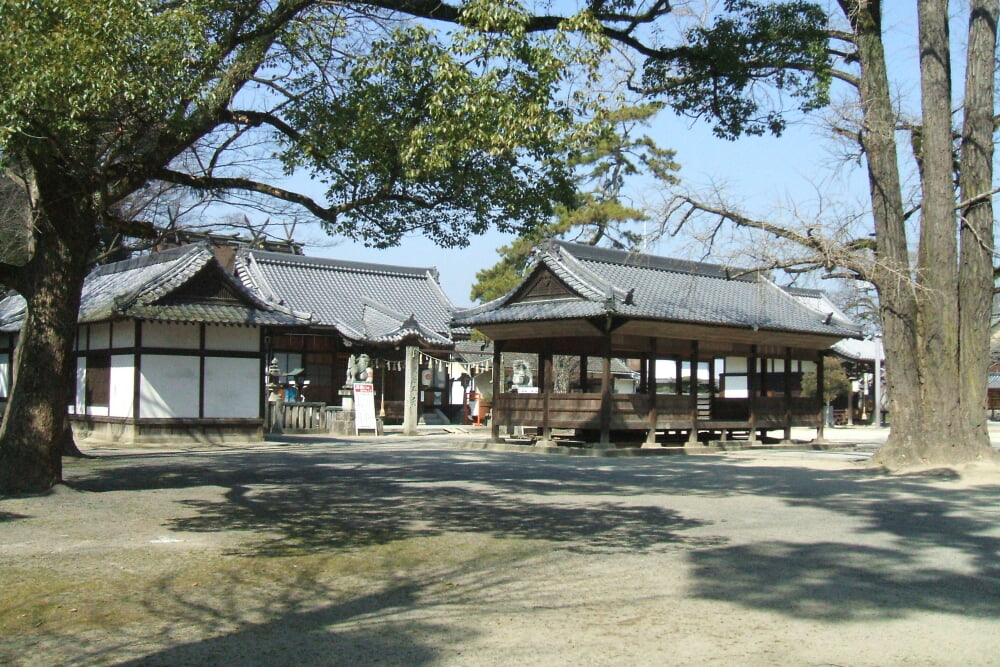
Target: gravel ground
(420,551)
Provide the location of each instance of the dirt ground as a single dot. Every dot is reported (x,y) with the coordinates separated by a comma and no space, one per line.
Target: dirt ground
(427,551)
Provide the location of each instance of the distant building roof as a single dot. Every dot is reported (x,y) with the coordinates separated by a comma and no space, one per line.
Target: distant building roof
(571,281)
(184,284)
(367,303)
(867,349)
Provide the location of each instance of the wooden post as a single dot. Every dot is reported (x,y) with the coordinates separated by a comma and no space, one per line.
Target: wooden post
(788,394)
(606,397)
(547,382)
(583,374)
(412,380)
(753,382)
(820,392)
(693,391)
(650,367)
(497,388)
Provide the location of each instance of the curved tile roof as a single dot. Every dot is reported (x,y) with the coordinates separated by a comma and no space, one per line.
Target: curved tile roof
(375,303)
(660,288)
(143,287)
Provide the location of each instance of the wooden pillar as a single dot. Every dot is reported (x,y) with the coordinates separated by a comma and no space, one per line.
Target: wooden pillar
(606,396)
(650,368)
(693,393)
(788,393)
(412,380)
(753,389)
(546,382)
(850,402)
(583,374)
(497,388)
(878,382)
(820,392)
(643,373)
(677,374)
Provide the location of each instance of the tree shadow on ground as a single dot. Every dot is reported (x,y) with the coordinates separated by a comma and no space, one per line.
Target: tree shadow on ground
(350,633)
(936,546)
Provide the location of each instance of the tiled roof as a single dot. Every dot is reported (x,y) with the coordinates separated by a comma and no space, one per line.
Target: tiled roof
(859,350)
(660,288)
(142,287)
(373,303)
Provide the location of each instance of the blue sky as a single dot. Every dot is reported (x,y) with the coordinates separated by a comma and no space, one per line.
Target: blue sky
(760,174)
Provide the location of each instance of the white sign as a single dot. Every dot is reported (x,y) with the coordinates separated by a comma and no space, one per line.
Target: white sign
(364,407)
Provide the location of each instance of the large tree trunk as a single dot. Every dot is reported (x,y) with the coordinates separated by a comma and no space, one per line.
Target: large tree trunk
(933,325)
(975,278)
(35,421)
(891,274)
(937,261)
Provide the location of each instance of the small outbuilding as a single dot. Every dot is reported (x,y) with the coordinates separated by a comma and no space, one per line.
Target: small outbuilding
(742,341)
(168,344)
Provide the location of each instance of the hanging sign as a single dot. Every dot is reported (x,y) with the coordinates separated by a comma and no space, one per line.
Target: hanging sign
(364,407)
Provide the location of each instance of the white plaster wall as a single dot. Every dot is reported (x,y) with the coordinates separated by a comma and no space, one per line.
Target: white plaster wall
(123,333)
(100,336)
(4,371)
(624,386)
(168,334)
(736,387)
(455,396)
(736,365)
(237,339)
(168,386)
(232,387)
(79,405)
(122,385)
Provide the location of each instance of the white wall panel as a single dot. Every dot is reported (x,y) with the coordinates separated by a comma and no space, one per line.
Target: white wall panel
(736,387)
(232,387)
(169,386)
(176,336)
(4,372)
(237,339)
(79,406)
(122,386)
(123,333)
(736,365)
(100,336)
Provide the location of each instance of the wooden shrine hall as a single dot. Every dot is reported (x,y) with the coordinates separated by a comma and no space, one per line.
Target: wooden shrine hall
(745,343)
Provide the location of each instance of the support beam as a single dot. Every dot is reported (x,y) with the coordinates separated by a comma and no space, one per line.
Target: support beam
(753,381)
(693,393)
(649,366)
(878,382)
(547,383)
(497,388)
(788,394)
(606,396)
(821,393)
(412,383)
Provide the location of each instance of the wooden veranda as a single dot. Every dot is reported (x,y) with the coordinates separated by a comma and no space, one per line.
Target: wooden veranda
(750,340)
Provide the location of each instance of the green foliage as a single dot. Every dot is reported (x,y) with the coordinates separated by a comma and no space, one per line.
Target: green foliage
(724,70)
(464,129)
(81,74)
(599,214)
(835,380)
(406,127)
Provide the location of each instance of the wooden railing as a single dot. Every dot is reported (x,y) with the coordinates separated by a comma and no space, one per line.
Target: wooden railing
(632,411)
